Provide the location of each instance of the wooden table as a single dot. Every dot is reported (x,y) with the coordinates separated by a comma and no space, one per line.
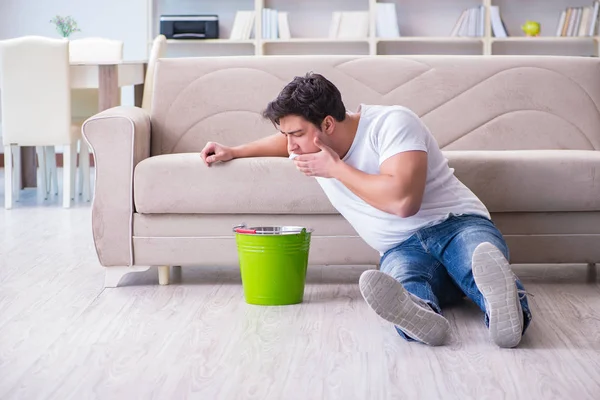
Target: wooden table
(107,78)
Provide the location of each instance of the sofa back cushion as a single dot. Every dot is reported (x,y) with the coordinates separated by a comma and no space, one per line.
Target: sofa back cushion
(468,102)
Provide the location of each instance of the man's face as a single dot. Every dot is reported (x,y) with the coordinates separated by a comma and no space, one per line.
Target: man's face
(301,134)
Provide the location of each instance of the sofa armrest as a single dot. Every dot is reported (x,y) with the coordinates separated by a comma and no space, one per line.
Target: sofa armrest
(120,139)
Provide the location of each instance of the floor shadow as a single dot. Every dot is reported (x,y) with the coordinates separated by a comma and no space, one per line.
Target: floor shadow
(210,275)
(559,339)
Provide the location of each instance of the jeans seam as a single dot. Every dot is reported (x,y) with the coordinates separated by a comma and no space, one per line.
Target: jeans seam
(422,242)
(434,270)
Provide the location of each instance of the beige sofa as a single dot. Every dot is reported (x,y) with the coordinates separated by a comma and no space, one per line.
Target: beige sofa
(522,132)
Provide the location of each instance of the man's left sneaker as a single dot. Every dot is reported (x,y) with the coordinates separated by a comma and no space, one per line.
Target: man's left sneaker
(388,298)
(497,284)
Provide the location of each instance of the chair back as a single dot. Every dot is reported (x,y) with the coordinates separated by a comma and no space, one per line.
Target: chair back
(35,91)
(159,47)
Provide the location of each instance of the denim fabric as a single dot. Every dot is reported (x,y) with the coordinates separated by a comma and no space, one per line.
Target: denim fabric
(435,263)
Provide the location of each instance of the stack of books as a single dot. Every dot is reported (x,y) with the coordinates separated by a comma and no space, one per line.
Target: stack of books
(470,23)
(498,27)
(242,25)
(349,25)
(386,24)
(275,24)
(578,21)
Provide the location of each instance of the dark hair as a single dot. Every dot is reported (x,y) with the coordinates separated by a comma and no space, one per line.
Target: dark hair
(312,97)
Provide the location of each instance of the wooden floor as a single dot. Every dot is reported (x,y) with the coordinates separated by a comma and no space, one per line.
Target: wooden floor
(62,336)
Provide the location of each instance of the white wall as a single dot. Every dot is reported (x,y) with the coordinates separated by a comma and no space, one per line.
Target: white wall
(115,19)
(124,20)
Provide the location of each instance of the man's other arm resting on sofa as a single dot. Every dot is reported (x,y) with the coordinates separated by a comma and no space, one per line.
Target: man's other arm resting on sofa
(270,146)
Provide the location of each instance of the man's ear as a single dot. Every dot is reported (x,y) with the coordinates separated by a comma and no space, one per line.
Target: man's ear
(328,125)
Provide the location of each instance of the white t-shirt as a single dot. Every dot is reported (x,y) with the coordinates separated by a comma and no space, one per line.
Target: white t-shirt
(384,131)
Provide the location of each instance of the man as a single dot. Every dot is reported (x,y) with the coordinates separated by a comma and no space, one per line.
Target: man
(383,171)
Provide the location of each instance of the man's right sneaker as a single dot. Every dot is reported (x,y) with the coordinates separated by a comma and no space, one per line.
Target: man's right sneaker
(388,298)
(497,284)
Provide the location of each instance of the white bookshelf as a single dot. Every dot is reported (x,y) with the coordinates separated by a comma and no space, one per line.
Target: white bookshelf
(547,13)
(424,26)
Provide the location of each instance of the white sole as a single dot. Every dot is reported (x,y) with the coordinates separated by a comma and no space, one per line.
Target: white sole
(496,283)
(391,301)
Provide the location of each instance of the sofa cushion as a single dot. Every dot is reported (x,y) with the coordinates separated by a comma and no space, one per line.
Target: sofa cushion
(531,180)
(506,181)
(182,183)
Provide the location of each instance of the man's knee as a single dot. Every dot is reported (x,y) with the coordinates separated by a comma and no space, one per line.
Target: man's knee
(472,236)
(410,276)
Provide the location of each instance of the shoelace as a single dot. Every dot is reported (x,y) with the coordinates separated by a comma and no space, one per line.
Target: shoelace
(522,293)
(420,301)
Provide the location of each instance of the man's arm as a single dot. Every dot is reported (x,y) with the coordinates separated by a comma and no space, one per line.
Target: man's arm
(270,146)
(398,188)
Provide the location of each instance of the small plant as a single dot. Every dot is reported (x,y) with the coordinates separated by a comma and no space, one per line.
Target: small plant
(65,26)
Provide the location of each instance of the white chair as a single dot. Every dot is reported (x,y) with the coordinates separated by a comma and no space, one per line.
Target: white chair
(84,102)
(36,107)
(159,47)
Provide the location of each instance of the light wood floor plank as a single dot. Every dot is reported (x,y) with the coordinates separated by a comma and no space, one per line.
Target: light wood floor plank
(48,277)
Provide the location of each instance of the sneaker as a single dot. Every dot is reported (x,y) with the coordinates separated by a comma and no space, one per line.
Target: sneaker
(388,298)
(496,282)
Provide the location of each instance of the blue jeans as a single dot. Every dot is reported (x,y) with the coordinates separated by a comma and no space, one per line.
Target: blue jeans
(434,264)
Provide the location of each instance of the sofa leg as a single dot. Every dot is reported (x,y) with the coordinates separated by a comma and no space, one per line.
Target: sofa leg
(113,275)
(163,275)
(592,272)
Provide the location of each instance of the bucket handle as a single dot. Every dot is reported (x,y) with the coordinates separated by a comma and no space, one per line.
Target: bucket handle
(242,228)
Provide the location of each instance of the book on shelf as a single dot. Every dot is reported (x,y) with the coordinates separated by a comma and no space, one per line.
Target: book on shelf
(275,24)
(349,25)
(578,21)
(470,23)
(386,24)
(284,25)
(242,25)
(498,27)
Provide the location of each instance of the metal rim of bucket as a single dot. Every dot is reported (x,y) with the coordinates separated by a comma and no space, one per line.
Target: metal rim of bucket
(270,230)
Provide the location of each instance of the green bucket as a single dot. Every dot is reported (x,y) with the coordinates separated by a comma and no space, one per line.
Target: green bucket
(273,262)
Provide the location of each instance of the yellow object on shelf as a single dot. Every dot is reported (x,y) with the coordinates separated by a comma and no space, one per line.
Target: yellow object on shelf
(531,28)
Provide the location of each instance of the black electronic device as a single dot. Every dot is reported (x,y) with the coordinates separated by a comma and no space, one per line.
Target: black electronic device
(189,26)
